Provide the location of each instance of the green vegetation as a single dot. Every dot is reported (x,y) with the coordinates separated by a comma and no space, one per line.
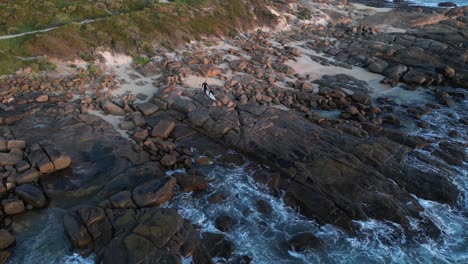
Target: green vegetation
(141,60)
(131,27)
(303,13)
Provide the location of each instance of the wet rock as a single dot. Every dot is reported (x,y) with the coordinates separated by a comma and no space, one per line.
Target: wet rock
(377,65)
(13,206)
(6,239)
(31,195)
(444,98)
(240,260)
(361,98)
(454,134)
(223,223)
(4,256)
(153,234)
(447,4)
(147,108)
(304,241)
(163,129)
(263,207)
(232,158)
(216,245)
(40,160)
(27,176)
(112,108)
(76,231)
(190,182)
(216,198)
(447,71)
(453,154)
(168,160)
(395,72)
(204,161)
(414,77)
(22,166)
(122,200)
(154,193)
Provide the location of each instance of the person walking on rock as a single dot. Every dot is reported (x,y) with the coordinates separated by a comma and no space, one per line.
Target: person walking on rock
(205,88)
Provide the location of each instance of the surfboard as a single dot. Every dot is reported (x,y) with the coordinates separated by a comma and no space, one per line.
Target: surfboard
(211,96)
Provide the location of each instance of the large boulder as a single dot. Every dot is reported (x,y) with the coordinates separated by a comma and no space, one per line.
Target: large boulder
(304,241)
(154,193)
(6,239)
(76,231)
(377,65)
(415,77)
(191,181)
(395,72)
(163,129)
(147,108)
(31,195)
(7,159)
(156,234)
(111,108)
(27,176)
(122,200)
(13,206)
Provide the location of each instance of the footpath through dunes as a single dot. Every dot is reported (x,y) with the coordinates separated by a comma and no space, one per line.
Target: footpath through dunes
(339,152)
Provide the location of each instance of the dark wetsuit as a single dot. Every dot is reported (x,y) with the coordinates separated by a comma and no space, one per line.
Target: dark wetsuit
(205,87)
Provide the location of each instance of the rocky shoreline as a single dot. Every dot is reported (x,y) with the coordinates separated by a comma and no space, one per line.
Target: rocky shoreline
(113,178)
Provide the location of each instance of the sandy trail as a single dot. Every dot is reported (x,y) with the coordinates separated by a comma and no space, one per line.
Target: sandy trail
(195,82)
(86,21)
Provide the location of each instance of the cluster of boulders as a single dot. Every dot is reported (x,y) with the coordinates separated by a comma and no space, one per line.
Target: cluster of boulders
(129,226)
(20,169)
(417,57)
(19,91)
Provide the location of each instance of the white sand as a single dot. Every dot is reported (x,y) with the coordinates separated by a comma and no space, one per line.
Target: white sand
(305,65)
(362,7)
(281,107)
(195,82)
(119,65)
(389,29)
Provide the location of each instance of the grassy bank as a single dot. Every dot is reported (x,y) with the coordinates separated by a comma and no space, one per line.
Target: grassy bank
(133,28)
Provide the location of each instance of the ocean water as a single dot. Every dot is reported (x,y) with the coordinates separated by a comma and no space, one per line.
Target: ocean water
(436,2)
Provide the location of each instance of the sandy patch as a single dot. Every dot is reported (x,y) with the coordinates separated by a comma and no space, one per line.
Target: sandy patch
(281,107)
(362,7)
(389,29)
(305,65)
(134,83)
(193,81)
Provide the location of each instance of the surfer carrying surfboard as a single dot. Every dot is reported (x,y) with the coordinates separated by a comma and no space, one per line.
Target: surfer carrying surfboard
(208,92)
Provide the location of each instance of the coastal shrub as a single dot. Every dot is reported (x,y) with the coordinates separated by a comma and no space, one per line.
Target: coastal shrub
(141,60)
(86,56)
(303,13)
(94,69)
